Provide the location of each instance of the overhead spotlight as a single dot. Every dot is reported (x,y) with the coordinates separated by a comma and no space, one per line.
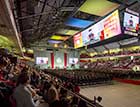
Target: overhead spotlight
(91,54)
(65,46)
(85,47)
(55,45)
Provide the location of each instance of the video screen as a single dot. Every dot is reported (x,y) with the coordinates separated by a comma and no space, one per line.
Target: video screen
(111,25)
(91,35)
(130,22)
(41,60)
(104,29)
(73,60)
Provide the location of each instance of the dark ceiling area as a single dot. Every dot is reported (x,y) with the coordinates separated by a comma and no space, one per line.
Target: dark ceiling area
(37,20)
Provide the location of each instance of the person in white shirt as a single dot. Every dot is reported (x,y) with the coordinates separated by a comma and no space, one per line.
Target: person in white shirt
(22,94)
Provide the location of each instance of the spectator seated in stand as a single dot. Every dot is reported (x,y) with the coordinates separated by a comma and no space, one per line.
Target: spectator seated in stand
(23,94)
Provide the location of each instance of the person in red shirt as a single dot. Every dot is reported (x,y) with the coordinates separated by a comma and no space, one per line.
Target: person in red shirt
(76,89)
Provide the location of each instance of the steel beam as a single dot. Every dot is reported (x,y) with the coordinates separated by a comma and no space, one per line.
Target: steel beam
(41,12)
(68,8)
(30,16)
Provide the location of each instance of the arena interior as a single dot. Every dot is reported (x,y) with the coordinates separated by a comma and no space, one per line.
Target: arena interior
(69,53)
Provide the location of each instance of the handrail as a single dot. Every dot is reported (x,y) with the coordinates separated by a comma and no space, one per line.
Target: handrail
(83,98)
(78,96)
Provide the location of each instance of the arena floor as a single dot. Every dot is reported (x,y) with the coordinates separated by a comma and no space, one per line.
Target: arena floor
(117,95)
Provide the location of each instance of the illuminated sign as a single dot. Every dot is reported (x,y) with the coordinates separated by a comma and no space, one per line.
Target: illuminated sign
(78,42)
(136,68)
(54,41)
(57,37)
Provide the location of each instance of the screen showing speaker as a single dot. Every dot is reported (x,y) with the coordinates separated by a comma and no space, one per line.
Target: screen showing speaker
(73,60)
(104,29)
(131,24)
(41,60)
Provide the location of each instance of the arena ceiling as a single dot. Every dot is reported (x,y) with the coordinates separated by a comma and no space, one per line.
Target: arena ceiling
(38,20)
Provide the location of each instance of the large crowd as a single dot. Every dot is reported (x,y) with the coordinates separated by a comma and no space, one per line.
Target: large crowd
(111,65)
(117,68)
(100,71)
(82,77)
(109,54)
(25,86)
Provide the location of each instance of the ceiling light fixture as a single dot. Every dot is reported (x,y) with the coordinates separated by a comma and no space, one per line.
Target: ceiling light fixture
(65,46)
(55,45)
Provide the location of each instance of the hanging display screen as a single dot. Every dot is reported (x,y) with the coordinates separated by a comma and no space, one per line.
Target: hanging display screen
(131,22)
(104,29)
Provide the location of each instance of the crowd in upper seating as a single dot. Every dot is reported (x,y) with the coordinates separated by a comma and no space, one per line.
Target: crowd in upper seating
(125,52)
(117,68)
(112,65)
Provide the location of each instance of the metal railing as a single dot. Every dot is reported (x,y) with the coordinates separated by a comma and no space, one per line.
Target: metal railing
(89,102)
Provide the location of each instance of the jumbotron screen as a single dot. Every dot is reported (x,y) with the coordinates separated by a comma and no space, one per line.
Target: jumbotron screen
(104,29)
(131,23)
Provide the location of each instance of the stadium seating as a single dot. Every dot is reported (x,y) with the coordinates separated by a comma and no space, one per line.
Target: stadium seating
(40,86)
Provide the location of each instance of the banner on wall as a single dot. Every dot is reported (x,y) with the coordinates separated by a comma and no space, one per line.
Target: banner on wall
(52,60)
(65,60)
